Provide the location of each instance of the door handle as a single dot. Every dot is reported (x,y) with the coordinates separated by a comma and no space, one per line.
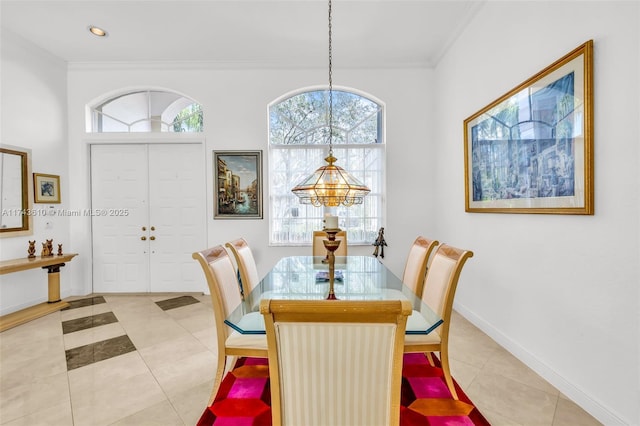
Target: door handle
(144,228)
(143,238)
(152,238)
(153,228)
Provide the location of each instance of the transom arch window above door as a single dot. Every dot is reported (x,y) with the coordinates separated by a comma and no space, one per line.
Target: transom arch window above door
(298,144)
(146,111)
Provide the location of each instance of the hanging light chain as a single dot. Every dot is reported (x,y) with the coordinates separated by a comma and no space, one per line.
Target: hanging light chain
(330,88)
(330,185)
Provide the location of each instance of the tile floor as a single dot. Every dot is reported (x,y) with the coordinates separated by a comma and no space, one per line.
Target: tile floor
(150,360)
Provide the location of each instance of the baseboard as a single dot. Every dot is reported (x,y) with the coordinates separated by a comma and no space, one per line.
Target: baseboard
(20,306)
(590,405)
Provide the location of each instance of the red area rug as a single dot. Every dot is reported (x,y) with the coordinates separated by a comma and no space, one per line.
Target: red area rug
(244,397)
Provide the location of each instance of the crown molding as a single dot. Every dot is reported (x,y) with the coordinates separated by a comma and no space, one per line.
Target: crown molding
(235,65)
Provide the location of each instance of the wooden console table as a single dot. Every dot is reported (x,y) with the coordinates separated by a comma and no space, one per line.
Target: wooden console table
(52,264)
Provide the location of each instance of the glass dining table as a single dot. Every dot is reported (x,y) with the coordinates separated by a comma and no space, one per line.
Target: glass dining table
(307,278)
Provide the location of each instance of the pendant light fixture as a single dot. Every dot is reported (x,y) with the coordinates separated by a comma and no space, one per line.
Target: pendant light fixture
(330,185)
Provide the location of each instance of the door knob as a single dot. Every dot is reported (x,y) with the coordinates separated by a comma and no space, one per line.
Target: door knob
(144,228)
(143,238)
(152,238)
(153,228)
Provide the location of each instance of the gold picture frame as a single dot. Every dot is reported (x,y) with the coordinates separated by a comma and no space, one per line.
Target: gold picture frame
(46,188)
(531,150)
(16,191)
(238,184)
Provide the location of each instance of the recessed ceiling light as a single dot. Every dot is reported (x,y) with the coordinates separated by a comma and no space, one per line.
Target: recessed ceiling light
(97,31)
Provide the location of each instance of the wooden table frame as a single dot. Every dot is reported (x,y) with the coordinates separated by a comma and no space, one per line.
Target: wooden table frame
(52,264)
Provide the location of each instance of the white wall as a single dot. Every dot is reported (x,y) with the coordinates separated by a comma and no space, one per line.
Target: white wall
(34,116)
(560,292)
(235,117)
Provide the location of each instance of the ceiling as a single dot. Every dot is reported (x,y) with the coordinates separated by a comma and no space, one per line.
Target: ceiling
(274,33)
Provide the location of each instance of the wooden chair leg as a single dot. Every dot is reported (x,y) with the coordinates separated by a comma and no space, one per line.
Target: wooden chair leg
(220,372)
(429,356)
(444,360)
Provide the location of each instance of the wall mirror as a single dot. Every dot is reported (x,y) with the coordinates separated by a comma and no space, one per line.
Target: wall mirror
(15,190)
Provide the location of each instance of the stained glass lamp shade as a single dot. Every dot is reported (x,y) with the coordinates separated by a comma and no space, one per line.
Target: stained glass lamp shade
(330,186)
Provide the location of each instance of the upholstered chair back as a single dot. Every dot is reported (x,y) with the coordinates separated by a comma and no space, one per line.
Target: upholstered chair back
(222,282)
(442,278)
(415,267)
(247,267)
(335,363)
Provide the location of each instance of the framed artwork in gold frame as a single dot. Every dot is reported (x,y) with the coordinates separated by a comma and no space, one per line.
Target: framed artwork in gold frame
(531,150)
(238,184)
(46,188)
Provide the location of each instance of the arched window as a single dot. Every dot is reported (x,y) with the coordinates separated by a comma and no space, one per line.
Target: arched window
(147,111)
(298,144)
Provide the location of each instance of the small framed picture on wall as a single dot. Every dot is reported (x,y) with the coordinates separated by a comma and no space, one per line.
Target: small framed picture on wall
(46,188)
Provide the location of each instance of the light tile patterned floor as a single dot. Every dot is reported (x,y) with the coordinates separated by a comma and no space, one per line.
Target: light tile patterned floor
(159,368)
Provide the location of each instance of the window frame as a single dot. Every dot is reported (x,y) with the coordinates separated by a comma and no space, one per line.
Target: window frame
(379,146)
(148,122)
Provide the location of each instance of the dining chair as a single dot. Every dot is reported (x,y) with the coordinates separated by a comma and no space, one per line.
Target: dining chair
(318,245)
(335,362)
(439,291)
(247,268)
(225,297)
(415,268)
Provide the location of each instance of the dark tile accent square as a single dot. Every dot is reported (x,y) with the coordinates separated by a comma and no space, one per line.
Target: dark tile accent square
(99,351)
(176,302)
(88,322)
(96,300)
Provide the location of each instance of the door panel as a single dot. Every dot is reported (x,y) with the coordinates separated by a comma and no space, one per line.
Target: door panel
(119,179)
(177,213)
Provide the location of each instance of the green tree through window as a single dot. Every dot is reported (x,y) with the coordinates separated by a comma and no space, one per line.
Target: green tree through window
(189,119)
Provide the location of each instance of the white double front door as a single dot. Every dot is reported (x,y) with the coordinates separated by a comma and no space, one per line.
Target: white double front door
(148,217)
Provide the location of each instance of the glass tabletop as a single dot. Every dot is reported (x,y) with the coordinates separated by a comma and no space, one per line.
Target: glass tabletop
(307,278)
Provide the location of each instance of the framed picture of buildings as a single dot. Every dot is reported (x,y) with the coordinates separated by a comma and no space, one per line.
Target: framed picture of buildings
(531,150)
(238,184)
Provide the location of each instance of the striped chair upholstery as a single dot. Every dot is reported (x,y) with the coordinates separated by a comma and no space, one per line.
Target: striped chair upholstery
(335,362)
